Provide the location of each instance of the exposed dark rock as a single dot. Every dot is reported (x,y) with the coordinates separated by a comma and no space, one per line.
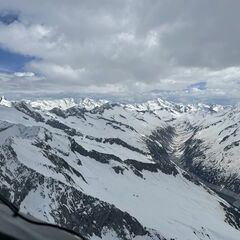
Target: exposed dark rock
(5,128)
(76,112)
(229,127)
(190,178)
(109,121)
(98,156)
(59,112)
(122,116)
(232,216)
(23,107)
(170,120)
(233,144)
(224,139)
(153,167)
(94,138)
(100,110)
(72,111)
(115,127)
(141,119)
(118,141)
(118,169)
(56,124)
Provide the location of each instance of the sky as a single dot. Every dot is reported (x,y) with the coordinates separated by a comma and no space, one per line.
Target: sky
(183,50)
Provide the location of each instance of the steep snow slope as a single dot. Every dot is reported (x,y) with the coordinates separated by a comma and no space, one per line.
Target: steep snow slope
(210,149)
(108,170)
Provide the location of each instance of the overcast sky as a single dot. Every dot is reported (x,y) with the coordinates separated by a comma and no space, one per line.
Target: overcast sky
(188,50)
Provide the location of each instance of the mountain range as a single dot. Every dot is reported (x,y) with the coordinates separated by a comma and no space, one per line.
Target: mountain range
(109,170)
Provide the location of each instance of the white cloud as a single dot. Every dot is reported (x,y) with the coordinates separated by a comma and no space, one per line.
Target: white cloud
(124,46)
(24,74)
(55,71)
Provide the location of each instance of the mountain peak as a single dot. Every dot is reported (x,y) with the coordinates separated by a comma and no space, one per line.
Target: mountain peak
(89,103)
(63,104)
(4,102)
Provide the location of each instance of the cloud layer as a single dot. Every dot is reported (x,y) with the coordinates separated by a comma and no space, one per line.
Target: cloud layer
(122,47)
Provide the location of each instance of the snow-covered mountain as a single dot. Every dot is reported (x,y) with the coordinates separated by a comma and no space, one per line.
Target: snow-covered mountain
(155,170)
(208,146)
(66,103)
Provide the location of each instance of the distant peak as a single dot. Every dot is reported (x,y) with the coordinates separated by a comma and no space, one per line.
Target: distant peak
(4,102)
(64,103)
(2,98)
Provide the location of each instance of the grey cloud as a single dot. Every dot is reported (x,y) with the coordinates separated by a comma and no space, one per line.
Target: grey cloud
(126,46)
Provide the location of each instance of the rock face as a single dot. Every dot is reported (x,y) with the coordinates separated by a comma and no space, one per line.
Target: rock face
(115,171)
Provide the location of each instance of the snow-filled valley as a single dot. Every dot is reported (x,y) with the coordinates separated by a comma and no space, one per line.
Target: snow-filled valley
(155,170)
